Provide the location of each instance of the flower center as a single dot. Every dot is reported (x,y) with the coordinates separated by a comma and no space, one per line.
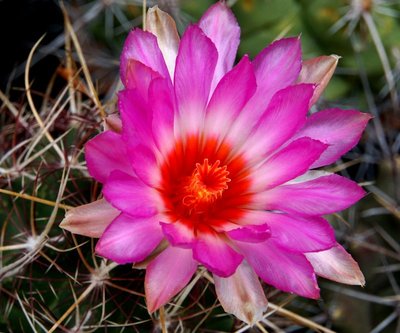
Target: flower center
(205,186)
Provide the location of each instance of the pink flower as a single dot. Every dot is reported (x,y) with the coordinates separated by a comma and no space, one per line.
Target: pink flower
(214,165)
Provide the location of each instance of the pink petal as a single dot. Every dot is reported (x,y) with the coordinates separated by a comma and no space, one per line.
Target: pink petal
(337,265)
(253,214)
(291,162)
(136,116)
(320,196)
(105,153)
(214,253)
(276,68)
(139,76)
(279,122)
(242,294)
(280,268)
(130,195)
(340,129)
(128,239)
(167,275)
(89,220)
(162,102)
(220,25)
(300,234)
(144,163)
(319,71)
(194,72)
(229,97)
(251,233)
(113,123)
(163,27)
(309,175)
(278,65)
(142,46)
(149,121)
(178,234)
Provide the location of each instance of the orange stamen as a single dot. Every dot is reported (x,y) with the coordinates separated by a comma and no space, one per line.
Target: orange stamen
(205,186)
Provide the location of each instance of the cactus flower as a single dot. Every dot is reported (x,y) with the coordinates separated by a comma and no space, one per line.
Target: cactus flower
(216,164)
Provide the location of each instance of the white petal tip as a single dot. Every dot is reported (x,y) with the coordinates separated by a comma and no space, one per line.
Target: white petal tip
(251,315)
(337,265)
(90,219)
(242,295)
(335,56)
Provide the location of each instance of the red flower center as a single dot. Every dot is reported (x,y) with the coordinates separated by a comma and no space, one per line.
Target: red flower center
(205,186)
(196,189)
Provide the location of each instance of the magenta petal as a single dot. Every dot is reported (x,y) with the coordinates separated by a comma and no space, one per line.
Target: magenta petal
(167,275)
(104,153)
(162,102)
(128,239)
(337,265)
(213,252)
(229,97)
(130,195)
(145,164)
(320,196)
(279,63)
(148,121)
(142,46)
(280,268)
(276,67)
(340,129)
(279,122)
(139,76)
(251,233)
(242,294)
(290,162)
(136,116)
(178,234)
(220,25)
(194,71)
(300,234)
(91,219)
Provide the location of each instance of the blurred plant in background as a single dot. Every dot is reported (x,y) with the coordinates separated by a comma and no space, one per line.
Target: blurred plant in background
(50,279)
